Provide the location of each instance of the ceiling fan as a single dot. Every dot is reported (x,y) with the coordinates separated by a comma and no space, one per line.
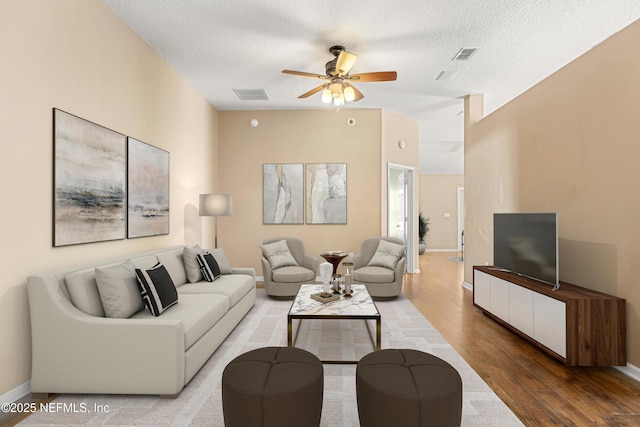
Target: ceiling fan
(338,88)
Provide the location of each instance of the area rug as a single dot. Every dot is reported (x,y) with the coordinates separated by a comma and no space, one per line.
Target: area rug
(200,404)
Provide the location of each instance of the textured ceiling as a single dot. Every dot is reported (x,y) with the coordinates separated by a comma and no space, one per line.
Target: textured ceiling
(221,45)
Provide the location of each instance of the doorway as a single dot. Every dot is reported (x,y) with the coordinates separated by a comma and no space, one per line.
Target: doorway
(400,208)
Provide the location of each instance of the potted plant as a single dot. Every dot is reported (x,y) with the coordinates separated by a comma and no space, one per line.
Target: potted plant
(423,229)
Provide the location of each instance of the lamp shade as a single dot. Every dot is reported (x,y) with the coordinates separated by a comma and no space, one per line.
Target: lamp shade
(215,205)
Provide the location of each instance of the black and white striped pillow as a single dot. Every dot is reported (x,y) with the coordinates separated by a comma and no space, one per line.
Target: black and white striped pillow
(208,266)
(157,289)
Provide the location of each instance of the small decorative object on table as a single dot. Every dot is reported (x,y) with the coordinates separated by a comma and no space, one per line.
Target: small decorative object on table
(325,275)
(347,279)
(334,257)
(336,283)
(322,297)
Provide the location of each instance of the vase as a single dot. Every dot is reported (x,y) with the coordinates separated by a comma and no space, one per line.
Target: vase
(422,246)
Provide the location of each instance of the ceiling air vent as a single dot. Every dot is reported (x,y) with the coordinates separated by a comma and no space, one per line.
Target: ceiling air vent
(252,94)
(447,75)
(465,53)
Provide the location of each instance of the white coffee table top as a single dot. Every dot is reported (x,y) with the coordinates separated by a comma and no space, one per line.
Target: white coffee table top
(360,304)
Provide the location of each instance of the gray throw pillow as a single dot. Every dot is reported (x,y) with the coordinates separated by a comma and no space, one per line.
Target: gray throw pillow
(278,254)
(221,259)
(387,255)
(191,266)
(119,290)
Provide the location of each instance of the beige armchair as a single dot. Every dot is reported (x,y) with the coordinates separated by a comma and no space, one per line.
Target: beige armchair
(381,267)
(286,266)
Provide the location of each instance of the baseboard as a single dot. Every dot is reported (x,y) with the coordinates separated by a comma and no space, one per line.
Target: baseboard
(17,393)
(467,286)
(630,371)
(442,250)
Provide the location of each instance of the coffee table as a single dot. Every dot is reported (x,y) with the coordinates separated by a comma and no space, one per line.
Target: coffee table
(359,306)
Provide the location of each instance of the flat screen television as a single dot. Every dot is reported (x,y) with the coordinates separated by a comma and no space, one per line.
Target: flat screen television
(527,244)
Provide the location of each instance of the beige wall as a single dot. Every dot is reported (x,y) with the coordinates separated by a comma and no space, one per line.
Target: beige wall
(77,56)
(568,145)
(308,136)
(439,195)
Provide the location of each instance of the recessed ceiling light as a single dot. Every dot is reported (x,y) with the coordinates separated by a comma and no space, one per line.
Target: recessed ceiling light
(252,94)
(465,53)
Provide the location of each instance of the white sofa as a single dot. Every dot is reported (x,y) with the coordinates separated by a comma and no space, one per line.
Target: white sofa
(80,351)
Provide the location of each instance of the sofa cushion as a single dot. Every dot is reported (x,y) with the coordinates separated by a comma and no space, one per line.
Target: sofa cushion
(83,291)
(234,286)
(292,274)
(191,266)
(119,290)
(174,264)
(387,255)
(221,259)
(208,266)
(198,314)
(278,254)
(373,274)
(157,289)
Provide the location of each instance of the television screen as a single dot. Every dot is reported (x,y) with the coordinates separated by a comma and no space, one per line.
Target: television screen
(527,244)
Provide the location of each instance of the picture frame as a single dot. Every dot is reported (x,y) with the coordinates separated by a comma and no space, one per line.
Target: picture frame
(148,186)
(283,193)
(89,183)
(326,193)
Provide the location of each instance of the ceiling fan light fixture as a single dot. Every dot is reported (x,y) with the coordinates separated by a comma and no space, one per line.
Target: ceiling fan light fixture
(326,96)
(336,90)
(349,94)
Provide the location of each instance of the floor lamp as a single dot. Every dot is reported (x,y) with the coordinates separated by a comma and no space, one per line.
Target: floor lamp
(215,205)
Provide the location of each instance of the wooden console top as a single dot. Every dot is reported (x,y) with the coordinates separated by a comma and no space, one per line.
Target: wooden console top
(566,292)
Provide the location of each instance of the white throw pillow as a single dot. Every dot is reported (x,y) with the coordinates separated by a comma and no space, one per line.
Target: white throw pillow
(387,255)
(278,254)
(119,290)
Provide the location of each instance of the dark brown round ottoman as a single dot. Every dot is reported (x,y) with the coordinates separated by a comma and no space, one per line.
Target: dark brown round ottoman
(273,387)
(399,387)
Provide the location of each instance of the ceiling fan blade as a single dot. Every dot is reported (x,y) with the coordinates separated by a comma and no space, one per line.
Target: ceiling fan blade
(359,94)
(312,91)
(377,76)
(344,63)
(303,74)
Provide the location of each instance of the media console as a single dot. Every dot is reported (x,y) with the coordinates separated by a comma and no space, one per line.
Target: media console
(577,326)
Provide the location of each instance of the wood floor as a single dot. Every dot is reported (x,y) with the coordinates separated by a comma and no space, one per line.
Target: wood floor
(537,388)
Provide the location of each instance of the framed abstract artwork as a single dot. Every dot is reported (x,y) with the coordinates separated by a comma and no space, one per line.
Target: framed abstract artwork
(283,193)
(326,193)
(89,198)
(148,190)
